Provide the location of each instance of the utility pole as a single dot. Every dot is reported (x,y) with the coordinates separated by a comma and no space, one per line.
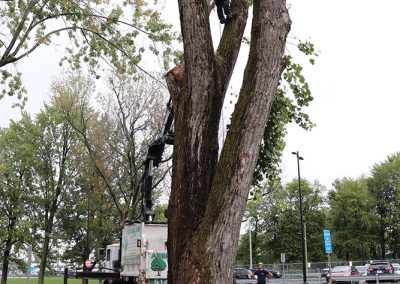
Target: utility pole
(303,237)
(250,247)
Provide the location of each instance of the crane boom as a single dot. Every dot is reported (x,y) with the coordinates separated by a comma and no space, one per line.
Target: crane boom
(153,159)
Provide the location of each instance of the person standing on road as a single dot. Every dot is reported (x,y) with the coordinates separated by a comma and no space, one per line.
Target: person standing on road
(262,274)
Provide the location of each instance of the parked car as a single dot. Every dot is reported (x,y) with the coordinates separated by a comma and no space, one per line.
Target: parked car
(396,270)
(362,269)
(380,267)
(345,270)
(395,264)
(242,273)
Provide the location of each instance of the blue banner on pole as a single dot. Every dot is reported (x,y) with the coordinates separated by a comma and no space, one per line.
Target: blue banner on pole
(328,241)
(328,248)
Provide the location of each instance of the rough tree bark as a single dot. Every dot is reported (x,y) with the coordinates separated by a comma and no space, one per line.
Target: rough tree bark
(209,193)
(8,243)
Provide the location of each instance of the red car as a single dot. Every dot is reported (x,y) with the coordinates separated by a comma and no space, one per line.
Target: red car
(345,271)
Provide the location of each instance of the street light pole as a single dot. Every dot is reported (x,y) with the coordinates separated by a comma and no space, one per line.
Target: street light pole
(250,247)
(303,237)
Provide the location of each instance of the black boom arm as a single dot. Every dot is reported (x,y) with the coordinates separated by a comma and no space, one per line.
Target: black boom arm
(153,159)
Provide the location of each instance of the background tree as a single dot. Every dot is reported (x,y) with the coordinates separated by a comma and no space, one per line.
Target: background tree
(62,172)
(117,139)
(350,215)
(55,144)
(279,225)
(384,187)
(286,235)
(15,191)
(254,216)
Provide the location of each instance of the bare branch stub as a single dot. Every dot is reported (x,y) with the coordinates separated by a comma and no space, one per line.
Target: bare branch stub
(174,79)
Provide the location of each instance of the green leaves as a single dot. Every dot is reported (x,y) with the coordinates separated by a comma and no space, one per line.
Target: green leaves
(292,97)
(350,213)
(384,188)
(307,48)
(99,32)
(275,224)
(13,86)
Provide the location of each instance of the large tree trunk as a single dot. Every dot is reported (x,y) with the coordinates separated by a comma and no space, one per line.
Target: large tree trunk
(382,240)
(43,259)
(6,259)
(46,242)
(209,195)
(10,237)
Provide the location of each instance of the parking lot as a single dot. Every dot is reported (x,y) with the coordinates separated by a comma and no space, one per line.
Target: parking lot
(314,280)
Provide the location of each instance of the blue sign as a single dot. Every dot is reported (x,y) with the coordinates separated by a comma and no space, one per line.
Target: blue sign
(328,241)
(328,248)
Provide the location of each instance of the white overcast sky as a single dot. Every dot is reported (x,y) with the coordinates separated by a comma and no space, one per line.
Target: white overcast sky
(354,83)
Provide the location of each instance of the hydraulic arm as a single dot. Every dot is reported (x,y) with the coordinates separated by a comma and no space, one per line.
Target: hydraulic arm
(153,159)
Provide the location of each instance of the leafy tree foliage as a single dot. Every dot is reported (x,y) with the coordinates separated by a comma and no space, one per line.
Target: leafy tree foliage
(119,33)
(55,144)
(351,219)
(293,95)
(15,192)
(116,139)
(277,226)
(56,170)
(384,186)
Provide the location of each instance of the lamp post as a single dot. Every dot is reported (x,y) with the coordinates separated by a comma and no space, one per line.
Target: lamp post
(303,237)
(250,247)
(88,225)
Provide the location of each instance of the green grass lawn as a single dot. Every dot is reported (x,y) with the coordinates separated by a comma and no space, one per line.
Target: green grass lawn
(55,280)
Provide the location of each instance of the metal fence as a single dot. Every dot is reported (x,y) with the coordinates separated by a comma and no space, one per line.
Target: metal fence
(351,280)
(313,267)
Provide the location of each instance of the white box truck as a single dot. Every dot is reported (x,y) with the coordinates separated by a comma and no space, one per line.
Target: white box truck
(144,255)
(142,259)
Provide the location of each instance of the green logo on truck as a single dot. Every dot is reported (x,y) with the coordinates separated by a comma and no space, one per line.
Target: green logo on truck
(158,263)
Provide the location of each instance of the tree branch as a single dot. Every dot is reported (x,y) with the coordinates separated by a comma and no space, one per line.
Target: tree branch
(32,25)
(17,31)
(39,42)
(82,133)
(231,40)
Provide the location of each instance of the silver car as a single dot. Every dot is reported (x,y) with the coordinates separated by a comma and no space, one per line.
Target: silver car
(362,269)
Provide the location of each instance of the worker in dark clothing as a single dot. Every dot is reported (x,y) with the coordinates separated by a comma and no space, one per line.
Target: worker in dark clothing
(262,274)
(223,8)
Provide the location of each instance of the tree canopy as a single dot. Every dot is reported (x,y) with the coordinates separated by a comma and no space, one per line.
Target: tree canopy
(91,31)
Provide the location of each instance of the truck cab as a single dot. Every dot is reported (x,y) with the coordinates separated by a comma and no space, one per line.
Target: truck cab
(110,257)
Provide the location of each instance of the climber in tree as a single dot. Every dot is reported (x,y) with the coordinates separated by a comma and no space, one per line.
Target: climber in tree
(223,7)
